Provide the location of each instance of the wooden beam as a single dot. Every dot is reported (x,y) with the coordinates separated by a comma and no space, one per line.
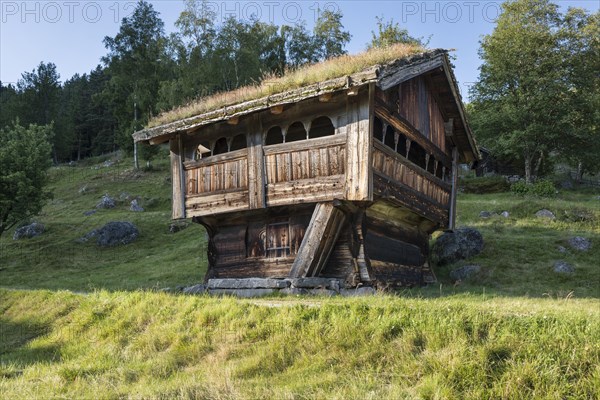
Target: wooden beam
(233,120)
(452,211)
(353,91)
(319,240)
(256,165)
(178,177)
(394,76)
(276,110)
(359,186)
(362,260)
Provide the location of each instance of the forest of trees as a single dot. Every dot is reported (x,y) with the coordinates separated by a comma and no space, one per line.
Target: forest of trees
(145,72)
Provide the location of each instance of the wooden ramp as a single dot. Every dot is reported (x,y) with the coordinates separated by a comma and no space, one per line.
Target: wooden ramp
(319,240)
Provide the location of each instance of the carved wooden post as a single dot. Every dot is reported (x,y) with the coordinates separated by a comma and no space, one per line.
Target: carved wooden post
(178,174)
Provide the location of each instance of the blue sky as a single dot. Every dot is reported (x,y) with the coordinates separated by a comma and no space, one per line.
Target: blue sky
(69,33)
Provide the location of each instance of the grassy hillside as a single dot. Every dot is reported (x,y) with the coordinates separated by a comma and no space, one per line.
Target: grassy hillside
(153,345)
(56,261)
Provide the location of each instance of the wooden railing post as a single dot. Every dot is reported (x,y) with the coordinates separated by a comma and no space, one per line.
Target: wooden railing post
(452,212)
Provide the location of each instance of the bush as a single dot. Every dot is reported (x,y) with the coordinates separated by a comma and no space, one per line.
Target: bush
(490,184)
(542,188)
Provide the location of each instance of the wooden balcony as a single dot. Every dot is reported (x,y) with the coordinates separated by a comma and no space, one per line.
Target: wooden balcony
(399,180)
(217,184)
(308,170)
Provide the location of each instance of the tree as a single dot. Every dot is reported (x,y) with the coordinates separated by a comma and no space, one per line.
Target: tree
(580,38)
(518,99)
(38,103)
(300,46)
(24,159)
(389,33)
(137,62)
(329,36)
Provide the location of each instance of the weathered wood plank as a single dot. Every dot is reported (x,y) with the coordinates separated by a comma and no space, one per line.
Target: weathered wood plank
(358,147)
(256,166)
(230,156)
(319,240)
(327,141)
(294,192)
(179,179)
(207,204)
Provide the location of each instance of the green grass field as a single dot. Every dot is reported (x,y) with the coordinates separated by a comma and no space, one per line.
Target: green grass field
(77,321)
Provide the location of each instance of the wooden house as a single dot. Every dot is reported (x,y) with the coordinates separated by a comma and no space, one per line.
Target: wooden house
(344,178)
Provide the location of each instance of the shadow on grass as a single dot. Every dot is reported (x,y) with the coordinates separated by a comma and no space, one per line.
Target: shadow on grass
(18,350)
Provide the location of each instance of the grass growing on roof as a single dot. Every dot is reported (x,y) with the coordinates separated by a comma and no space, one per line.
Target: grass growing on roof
(303,76)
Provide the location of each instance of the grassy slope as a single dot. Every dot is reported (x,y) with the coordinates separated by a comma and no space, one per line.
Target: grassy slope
(114,343)
(55,261)
(152,345)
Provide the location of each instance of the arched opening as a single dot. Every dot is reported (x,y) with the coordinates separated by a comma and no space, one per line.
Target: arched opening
(378,129)
(390,138)
(295,132)
(321,127)
(416,154)
(220,147)
(238,142)
(202,151)
(274,136)
(401,146)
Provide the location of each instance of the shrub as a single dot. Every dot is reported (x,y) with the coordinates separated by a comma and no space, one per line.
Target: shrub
(489,184)
(542,188)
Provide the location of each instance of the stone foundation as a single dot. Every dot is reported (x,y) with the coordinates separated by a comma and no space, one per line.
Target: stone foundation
(257,287)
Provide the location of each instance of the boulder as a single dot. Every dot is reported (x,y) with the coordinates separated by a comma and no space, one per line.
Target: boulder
(562,267)
(116,233)
(135,207)
(544,213)
(106,202)
(561,249)
(88,213)
(28,231)
(505,214)
(485,214)
(580,243)
(457,245)
(464,273)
